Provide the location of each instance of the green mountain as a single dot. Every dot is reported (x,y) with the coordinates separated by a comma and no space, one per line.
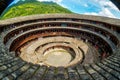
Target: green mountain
(31,7)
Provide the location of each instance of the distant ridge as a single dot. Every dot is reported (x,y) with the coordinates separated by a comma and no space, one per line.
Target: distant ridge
(30,7)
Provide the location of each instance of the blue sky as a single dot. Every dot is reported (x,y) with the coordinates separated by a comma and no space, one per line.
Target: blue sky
(88,7)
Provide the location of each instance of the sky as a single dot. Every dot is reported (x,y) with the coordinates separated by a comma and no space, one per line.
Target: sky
(87,7)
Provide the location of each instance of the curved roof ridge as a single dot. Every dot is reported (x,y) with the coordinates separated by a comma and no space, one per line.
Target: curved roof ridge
(112,21)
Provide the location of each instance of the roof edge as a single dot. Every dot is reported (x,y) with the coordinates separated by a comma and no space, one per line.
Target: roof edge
(111,21)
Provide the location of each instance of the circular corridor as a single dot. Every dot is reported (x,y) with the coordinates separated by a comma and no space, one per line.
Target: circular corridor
(60,47)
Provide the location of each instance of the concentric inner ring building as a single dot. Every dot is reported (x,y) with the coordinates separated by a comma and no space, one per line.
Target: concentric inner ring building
(60,47)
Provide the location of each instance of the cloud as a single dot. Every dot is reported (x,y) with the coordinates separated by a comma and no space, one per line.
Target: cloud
(109,5)
(107,8)
(104,12)
(86,5)
(57,1)
(91,13)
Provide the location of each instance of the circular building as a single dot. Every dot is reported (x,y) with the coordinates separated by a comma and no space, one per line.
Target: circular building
(60,47)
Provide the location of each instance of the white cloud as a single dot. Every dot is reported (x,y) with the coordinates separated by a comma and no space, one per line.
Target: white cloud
(57,1)
(106,9)
(86,5)
(104,12)
(106,3)
(91,13)
(109,4)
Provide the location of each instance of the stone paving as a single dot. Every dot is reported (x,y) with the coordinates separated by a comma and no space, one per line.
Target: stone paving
(29,53)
